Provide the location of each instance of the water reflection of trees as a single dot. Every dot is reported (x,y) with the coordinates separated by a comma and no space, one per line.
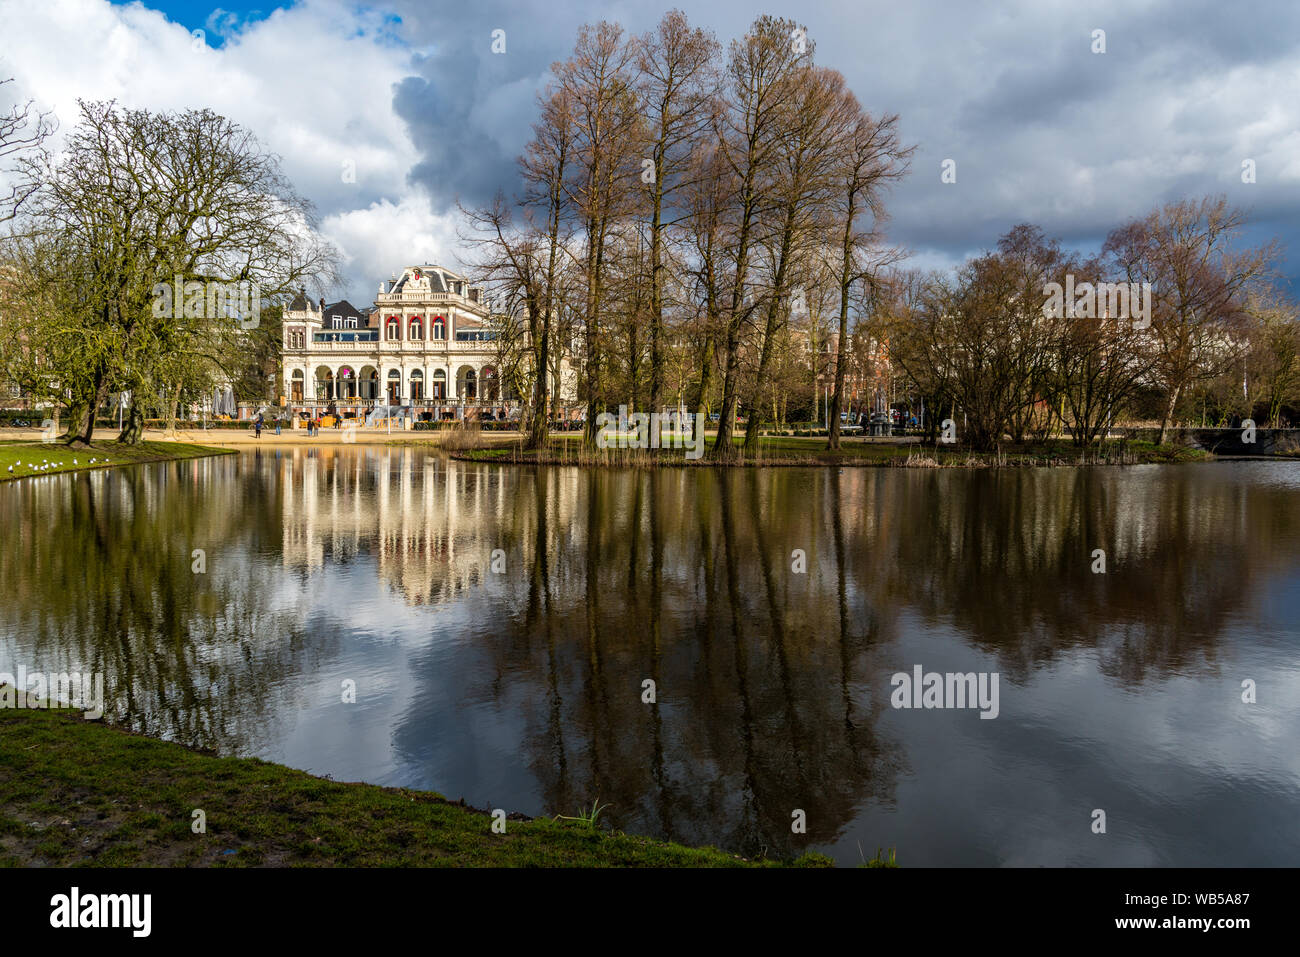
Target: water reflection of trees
(97,574)
(1008,560)
(770,682)
(762,703)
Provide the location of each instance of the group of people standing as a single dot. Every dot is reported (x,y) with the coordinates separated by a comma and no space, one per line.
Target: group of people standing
(260,423)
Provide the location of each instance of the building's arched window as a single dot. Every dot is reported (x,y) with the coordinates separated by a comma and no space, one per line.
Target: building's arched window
(394,327)
(439,328)
(416,329)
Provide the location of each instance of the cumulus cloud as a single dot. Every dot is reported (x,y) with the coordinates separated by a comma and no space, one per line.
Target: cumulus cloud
(412,98)
(384,236)
(315,83)
(1042,128)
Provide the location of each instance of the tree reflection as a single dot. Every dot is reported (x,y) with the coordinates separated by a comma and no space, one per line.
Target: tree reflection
(770,683)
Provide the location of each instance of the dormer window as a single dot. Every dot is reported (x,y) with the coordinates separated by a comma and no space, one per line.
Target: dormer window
(352,322)
(336,322)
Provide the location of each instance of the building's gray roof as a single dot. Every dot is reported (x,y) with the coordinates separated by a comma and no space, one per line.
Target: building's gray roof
(342,308)
(434,275)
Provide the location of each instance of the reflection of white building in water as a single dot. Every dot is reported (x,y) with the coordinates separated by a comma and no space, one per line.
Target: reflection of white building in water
(426,343)
(422,518)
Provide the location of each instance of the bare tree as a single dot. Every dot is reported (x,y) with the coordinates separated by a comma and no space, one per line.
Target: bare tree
(869,157)
(23,129)
(677,80)
(810,124)
(1201,286)
(706,222)
(756,89)
(596,84)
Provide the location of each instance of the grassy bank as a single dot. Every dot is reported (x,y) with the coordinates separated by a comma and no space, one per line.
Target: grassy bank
(23,459)
(799,451)
(77,792)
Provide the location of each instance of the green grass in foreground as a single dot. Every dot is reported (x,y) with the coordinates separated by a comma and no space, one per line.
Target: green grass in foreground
(797,450)
(22,459)
(77,792)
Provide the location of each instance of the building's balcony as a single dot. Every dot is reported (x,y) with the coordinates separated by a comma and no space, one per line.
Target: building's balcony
(349,403)
(418,347)
(406,299)
(434,345)
(331,347)
(396,297)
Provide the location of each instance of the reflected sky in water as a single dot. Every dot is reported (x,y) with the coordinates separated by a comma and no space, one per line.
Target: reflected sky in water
(522,688)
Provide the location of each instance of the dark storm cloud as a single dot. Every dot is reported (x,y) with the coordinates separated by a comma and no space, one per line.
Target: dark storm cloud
(1041,128)
(470,110)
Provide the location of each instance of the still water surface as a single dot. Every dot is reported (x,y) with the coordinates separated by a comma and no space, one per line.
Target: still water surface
(522,689)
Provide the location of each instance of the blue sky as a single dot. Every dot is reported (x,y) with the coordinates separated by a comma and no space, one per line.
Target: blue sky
(409,93)
(204,16)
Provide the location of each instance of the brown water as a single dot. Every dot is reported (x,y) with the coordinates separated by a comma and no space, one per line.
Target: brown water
(523,689)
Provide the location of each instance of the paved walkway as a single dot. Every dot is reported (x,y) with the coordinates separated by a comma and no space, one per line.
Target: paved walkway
(224,437)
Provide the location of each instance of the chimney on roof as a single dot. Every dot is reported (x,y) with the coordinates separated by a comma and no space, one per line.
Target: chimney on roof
(322,305)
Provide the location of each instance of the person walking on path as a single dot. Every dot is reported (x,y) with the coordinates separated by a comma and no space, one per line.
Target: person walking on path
(257,426)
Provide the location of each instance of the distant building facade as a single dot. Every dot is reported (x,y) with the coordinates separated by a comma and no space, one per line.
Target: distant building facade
(427,344)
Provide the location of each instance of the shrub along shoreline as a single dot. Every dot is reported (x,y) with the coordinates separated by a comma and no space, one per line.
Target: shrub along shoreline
(79,792)
(787,451)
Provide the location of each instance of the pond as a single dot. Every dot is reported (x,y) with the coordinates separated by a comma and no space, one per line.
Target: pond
(715,655)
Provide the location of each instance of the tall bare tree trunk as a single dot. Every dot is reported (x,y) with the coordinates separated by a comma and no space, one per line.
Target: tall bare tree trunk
(841,357)
(1168,416)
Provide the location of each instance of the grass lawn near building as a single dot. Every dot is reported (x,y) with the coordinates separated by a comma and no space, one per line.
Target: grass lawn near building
(21,459)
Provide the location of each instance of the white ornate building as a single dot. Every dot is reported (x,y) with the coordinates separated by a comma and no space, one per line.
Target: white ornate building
(426,344)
